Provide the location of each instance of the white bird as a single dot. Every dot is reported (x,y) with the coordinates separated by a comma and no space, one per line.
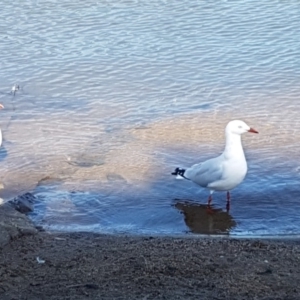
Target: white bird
(1,106)
(15,88)
(225,172)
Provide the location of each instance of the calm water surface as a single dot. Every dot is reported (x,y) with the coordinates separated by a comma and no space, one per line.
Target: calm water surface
(115,94)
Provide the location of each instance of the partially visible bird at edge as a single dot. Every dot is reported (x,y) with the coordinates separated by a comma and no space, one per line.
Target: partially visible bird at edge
(1,107)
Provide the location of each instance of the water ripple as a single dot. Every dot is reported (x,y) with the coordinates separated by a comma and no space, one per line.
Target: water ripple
(91,72)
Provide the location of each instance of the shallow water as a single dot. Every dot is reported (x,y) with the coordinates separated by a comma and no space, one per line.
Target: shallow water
(115,95)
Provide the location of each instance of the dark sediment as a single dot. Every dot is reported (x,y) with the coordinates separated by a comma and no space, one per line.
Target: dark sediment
(41,265)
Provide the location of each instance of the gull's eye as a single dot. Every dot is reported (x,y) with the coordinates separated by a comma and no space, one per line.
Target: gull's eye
(240,127)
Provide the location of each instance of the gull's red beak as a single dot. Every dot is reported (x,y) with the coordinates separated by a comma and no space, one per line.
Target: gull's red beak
(252,130)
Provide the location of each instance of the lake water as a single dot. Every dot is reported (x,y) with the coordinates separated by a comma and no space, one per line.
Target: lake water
(116,94)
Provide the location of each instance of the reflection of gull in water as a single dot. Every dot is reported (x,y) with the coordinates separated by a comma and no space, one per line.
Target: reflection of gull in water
(226,171)
(200,221)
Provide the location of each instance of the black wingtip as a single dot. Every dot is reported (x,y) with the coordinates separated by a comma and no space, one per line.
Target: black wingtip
(179,171)
(175,172)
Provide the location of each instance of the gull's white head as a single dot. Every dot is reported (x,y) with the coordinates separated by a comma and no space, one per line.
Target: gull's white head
(238,127)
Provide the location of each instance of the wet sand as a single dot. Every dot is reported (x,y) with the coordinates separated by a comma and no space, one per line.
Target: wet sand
(94,266)
(135,153)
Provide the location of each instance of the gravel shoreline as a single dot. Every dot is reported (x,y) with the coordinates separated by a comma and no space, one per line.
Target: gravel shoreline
(42,265)
(90,266)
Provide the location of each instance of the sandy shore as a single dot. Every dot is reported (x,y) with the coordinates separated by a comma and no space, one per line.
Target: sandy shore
(42,265)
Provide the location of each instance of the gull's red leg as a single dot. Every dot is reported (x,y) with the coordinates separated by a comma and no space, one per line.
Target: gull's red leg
(228,196)
(209,200)
(228,202)
(209,210)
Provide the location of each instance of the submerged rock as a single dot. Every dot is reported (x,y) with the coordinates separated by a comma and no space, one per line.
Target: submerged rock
(23,203)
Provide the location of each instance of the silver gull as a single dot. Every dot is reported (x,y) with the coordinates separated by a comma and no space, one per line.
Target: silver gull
(225,172)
